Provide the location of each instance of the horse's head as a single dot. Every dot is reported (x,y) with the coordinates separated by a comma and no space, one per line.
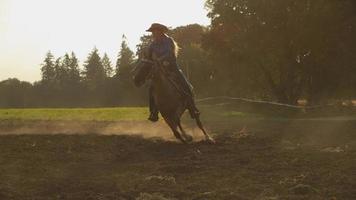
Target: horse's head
(142,71)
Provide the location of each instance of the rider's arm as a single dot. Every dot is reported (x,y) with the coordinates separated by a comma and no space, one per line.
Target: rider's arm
(169,59)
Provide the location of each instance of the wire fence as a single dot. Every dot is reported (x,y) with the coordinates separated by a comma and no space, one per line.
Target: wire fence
(237,100)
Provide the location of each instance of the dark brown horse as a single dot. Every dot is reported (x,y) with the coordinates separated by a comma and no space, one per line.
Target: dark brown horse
(170,102)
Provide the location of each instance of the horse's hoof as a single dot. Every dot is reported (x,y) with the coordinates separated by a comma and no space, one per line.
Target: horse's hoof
(183,141)
(188,138)
(210,140)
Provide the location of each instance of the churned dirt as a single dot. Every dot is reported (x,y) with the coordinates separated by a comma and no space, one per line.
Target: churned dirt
(252,159)
(145,129)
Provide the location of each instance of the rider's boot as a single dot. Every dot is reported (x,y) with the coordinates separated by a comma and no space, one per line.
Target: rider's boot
(153,108)
(153,117)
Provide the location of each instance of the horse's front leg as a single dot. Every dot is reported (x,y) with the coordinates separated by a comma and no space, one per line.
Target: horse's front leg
(186,136)
(174,127)
(208,138)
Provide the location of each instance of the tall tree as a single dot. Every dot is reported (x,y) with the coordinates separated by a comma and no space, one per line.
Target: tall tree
(192,58)
(107,65)
(124,60)
(47,69)
(60,67)
(94,72)
(124,65)
(285,46)
(145,40)
(73,69)
(69,81)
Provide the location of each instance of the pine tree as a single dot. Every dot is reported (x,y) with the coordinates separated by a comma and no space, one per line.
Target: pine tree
(145,41)
(94,73)
(60,72)
(124,60)
(47,69)
(73,69)
(107,65)
(69,69)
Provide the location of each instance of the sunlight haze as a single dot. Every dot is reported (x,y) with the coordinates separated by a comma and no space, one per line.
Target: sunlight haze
(28,29)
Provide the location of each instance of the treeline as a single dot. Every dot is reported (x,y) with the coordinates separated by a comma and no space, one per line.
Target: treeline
(281,50)
(64,84)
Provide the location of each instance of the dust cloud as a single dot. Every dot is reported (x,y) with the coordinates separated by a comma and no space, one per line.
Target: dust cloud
(145,129)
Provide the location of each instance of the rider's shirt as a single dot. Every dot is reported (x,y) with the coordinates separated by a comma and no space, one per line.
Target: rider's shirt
(163,52)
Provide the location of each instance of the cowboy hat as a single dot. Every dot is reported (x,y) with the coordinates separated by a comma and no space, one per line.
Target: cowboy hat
(159,27)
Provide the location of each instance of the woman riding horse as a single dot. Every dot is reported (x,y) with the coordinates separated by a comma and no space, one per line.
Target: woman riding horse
(170,92)
(163,51)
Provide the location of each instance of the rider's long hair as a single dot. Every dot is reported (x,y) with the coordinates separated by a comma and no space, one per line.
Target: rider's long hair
(175,48)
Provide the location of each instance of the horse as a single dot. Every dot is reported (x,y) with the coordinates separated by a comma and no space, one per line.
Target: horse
(168,98)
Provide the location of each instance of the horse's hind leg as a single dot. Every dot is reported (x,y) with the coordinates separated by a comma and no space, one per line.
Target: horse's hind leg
(186,136)
(200,125)
(174,127)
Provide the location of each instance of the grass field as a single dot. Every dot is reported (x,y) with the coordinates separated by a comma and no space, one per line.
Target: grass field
(141,113)
(256,157)
(98,114)
(102,114)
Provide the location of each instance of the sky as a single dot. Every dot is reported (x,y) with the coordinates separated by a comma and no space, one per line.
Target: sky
(30,28)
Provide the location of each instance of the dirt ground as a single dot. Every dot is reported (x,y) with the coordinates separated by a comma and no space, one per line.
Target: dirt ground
(252,159)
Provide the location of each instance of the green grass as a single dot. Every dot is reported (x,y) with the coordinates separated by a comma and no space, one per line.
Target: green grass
(236,114)
(107,114)
(210,113)
(97,114)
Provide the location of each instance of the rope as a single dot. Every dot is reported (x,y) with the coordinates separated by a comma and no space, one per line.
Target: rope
(260,102)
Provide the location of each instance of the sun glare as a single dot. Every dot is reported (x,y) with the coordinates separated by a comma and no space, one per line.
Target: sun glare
(28,29)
